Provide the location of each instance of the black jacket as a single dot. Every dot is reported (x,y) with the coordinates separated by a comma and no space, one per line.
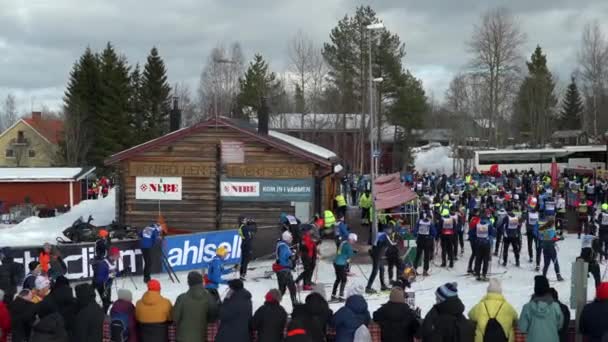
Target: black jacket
(563,332)
(590,325)
(153,332)
(23,316)
(63,299)
(397,321)
(11,275)
(315,315)
(90,316)
(235,318)
(445,322)
(50,328)
(296,332)
(269,321)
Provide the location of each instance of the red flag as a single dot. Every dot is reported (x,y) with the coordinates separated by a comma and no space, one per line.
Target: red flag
(554,174)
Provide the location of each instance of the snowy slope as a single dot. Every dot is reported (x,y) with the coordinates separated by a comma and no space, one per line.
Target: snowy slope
(435,159)
(35,231)
(518,283)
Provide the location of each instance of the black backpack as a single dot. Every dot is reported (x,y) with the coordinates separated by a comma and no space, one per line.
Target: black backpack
(119,327)
(494,331)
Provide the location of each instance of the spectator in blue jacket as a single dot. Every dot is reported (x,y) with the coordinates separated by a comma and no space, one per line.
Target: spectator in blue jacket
(147,239)
(104,275)
(215,271)
(351,316)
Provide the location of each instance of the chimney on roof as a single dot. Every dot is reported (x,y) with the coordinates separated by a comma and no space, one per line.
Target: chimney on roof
(175,117)
(36,116)
(263,117)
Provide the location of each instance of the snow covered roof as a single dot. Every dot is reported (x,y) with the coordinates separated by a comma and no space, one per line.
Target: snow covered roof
(304,145)
(43,174)
(574,133)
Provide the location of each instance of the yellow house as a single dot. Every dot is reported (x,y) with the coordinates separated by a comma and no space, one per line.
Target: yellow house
(31,142)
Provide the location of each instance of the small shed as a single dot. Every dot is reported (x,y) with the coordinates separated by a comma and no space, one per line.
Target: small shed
(202,178)
(574,137)
(50,187)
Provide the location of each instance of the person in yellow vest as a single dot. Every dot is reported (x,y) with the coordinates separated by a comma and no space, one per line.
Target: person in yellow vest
(583,217)
(340,202)
(365,203)
(329,222)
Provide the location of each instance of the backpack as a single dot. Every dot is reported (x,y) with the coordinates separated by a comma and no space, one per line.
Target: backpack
(119,327)
(494,331)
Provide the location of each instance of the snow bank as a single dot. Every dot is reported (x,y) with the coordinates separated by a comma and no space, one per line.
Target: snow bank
(35,231)
(433,160)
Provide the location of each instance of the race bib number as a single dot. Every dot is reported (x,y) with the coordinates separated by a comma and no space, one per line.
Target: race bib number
(292,220)
(604,220)
(483,231)
(424,228)
(448,224)
(587,241)
(550,206)
(513,223)
(532,218)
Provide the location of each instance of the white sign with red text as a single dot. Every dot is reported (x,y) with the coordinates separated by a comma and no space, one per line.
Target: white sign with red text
(158,188)
(240,189)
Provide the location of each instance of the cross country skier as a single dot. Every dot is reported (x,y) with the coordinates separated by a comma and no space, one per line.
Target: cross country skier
(484,234)
(425,234)
(446,229)
(589,252)
(512,237)
(549,206)
(548,238)
(458,217)
(392,252)
(532,218)
(377,252)
(215,271)
(247,230)
(148,237)
(341,231)
(308,254)
(475,219)
(602,220)
(104,275)
(500,223)
(284,264)
(345,252)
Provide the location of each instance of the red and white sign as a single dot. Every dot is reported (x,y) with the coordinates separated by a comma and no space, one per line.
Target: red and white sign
(158,188)
(240,189)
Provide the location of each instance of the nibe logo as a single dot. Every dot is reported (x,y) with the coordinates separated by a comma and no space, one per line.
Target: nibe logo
(199,250)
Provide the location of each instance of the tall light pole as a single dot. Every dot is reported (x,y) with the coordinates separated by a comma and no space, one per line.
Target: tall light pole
(370,29)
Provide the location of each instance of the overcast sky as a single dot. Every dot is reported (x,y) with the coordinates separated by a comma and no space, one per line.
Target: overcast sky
(41,39)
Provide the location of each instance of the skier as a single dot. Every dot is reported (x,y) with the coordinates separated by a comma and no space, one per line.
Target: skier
(215,271)
(425,234)
(446,228)
(484,233)
(512,237)
(549,206)
(560,207)
(105,272)
(283,266)
(148,237)
(602,220)
(532,217)
(345,252)
(392,253)
(458,217)
(475,219)
(292,224)
(247,230)
(11,275)
(500,223)
(102,245)
(548,237)
(341,231)
(377,252)
(589,252)
(308,254)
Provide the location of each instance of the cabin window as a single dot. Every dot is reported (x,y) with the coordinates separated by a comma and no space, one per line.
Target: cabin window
(32,153)
(10,153)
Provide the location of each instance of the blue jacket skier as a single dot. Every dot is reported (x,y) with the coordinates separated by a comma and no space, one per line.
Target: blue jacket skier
(425,233)
(484,236)
(284,264)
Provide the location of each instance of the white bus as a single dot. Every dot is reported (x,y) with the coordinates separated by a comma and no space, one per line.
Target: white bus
(539,160)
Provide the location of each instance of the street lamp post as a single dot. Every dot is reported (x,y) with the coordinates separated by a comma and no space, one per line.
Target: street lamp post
(372,148)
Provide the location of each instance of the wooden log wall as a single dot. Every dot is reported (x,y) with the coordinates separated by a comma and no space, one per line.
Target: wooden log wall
(195,159)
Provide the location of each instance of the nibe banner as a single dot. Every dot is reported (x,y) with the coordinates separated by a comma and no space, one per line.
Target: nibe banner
(269,190)
(158,188)
(195,251)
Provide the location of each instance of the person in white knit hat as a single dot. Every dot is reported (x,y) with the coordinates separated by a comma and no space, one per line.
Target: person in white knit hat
(494,306)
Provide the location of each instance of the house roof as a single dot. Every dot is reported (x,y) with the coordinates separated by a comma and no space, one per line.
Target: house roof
(283,142)
(43,174)
(50,129)
(567,134)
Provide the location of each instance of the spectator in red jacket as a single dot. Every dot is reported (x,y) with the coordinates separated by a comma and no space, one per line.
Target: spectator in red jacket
(5,319)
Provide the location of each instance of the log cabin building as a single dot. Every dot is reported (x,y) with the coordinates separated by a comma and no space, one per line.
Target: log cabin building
(203,177)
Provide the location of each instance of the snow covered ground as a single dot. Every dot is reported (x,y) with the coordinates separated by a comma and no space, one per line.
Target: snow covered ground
(435,159)
(517,283)
(36,231)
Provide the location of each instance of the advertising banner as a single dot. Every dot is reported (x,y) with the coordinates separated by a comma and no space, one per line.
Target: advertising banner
(195,251)
(269,190)
(78,258)
(158,188)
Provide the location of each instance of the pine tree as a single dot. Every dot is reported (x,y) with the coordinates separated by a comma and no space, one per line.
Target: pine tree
(136,110)
(536,101)
(156,101)
(81,107)
(572,108)
(258,82)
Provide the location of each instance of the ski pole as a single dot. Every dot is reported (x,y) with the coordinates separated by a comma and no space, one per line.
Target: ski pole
(169,267)
(363,273)
(168,270)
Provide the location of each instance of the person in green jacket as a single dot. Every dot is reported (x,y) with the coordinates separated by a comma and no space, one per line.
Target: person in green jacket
(541,318)
(193,310)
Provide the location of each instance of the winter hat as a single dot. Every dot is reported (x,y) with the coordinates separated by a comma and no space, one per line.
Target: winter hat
(154,285)
(273,296)
(541,285)
(355,290)
(602,291)
(235,284)
(446,291)
(320,289)
(114,251)
(195,278)
(397,295)
(125,295)
(494,286)
(42,282)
